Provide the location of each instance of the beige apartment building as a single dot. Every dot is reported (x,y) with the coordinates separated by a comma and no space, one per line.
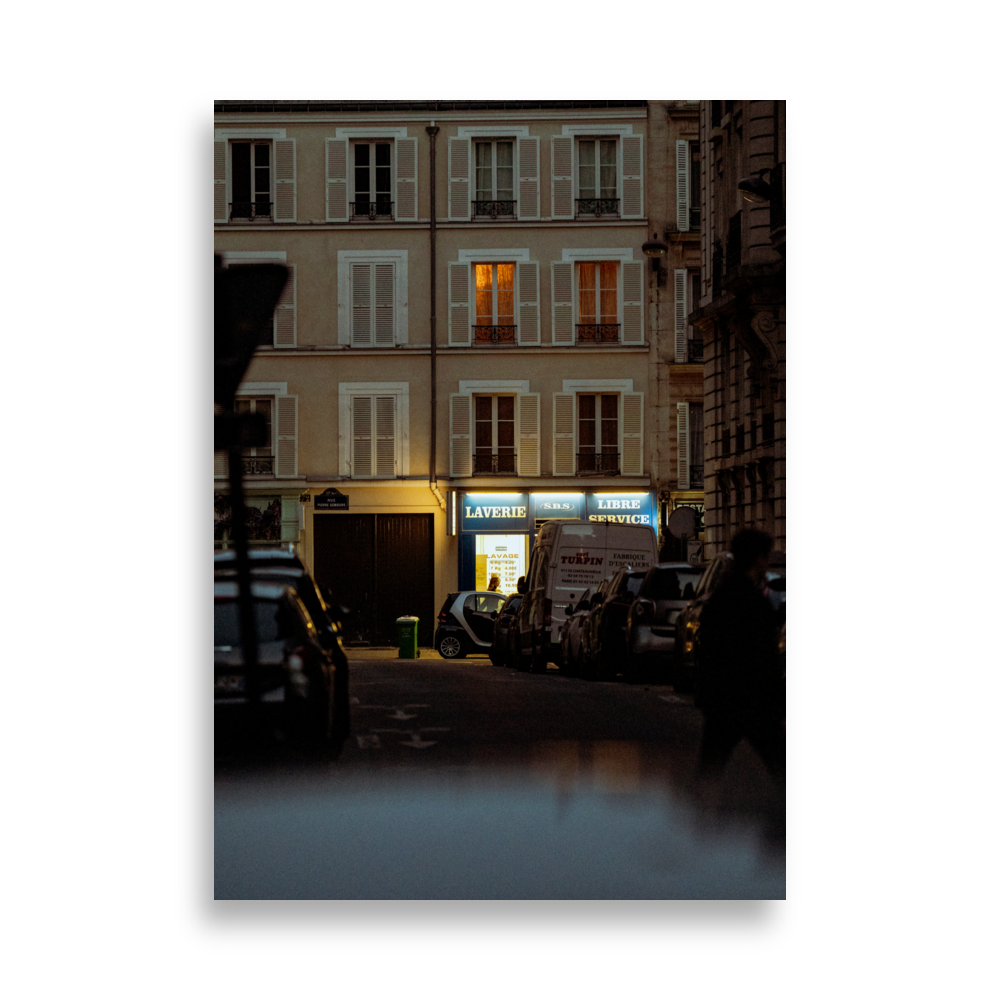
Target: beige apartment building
(472,341)
(741,314)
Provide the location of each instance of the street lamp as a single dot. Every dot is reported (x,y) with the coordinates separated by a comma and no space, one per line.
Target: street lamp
(654,249)
(755,189)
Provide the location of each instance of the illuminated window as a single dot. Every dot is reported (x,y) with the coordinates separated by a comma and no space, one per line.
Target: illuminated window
(494,294)
(597,314)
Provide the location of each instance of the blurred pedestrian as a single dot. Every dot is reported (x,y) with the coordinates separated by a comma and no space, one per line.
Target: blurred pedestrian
(494,582)
(740,688)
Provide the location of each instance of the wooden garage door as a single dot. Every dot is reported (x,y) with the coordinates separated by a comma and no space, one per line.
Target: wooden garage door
(382,567)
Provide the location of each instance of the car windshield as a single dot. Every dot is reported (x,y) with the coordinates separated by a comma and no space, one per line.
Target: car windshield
(273,621)
(672,584)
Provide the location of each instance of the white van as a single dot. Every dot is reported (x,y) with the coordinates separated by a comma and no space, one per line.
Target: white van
(568,558)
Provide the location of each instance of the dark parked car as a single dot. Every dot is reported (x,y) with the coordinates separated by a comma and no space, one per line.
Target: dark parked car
(501,626)
(686,663)
(665,592)
(465,623)
(603,649)
(571,636)
(294,680)
(283,566)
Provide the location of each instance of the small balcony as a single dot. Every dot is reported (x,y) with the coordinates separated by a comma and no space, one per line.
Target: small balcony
(251,211)
(494,334)
(502,209)
(598,208)
(597,333)
(257,465)
(495,465)
(605,464)
(372,211)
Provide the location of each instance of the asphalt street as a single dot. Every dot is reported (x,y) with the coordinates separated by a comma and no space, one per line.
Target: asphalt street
(464,780)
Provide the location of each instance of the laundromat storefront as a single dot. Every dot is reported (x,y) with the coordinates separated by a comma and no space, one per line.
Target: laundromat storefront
(496,530)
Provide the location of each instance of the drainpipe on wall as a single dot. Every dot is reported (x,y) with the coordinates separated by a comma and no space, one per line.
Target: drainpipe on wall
(432,131)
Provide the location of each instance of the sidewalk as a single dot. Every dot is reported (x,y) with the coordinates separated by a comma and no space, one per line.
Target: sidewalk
(387,653)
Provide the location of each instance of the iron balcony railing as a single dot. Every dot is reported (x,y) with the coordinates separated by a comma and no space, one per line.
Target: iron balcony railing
(495,334)
(258,465)
(494,209)
(696,477)
(597,206)
(251,211)
(605,464)
(494,465)
(373,211)
(597,333)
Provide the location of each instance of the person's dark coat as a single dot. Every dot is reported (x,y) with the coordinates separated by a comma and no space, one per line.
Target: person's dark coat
(739,670)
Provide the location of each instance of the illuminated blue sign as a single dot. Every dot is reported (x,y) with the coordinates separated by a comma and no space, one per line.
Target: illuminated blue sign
(621,508)
(504,513)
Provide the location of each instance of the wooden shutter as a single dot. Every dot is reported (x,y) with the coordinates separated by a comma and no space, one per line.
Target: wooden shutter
(632,433)
(683,447)
(632,287)
(527,167)
(528,331)
(361,437)
(361,305)
(284,314)
(563,436)
(632,177)
(336,180)
(459,176)
(562,302)
(284,180)
(221,208)
(286,462)
(562,177)
(221,465)
(406,180)
(683,186)
(385,436)
(528,454)
(459,332)
(680,314)
(461,434)
(385,309)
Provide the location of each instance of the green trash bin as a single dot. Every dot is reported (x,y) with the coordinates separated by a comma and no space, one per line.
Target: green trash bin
(407,626)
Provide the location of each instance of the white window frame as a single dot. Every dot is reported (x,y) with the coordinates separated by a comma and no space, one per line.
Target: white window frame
(228,136)
(598,387)
(370,142)
(578,132)
(597,255)
(401,313)
(514,176)
(346,392)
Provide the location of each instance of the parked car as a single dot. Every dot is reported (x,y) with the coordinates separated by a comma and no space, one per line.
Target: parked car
(294,681)
(465,623)
(650,632)
(604,628)
(688,622)
(501,626)
(568,557)
(282,565)
(571,634)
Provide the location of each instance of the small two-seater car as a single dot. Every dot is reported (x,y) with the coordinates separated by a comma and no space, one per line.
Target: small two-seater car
(466,621)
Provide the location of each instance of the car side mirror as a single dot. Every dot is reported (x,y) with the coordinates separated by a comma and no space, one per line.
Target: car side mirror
(584,605)
(569,609)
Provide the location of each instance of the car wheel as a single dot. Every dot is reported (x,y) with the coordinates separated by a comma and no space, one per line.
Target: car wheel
(451,647)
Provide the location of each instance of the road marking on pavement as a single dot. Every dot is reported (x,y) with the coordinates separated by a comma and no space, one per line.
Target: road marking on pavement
(369,742)
(414,734)
(673,699)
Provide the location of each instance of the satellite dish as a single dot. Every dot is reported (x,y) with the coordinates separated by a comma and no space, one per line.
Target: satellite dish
(683,521)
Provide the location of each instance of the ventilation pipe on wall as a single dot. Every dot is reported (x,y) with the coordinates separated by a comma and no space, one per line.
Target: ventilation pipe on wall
(432,131)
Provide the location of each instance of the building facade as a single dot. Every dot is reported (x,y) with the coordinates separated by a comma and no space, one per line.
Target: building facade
(741,316)
(471,338)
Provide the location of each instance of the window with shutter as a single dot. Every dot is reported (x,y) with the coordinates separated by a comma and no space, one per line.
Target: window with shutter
(680,314)
(597,302)
(528,453)
(563,437)
(597,178)
(361,437)
(562,177)
(529,331)
(406,180)
(495,304)
(683,186)
(284,314)
(459,324)
(251,179)
(494,179)
(336,180)
(458,178)
(221,208)
(683,448)
(631,177)
(460,419)
(632,421)
(494,450)
(597,434)
(284,180)
(371,181)
(562,302)
(372,305)
(373,435)
(286,463)
(528,190)
(633,278)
